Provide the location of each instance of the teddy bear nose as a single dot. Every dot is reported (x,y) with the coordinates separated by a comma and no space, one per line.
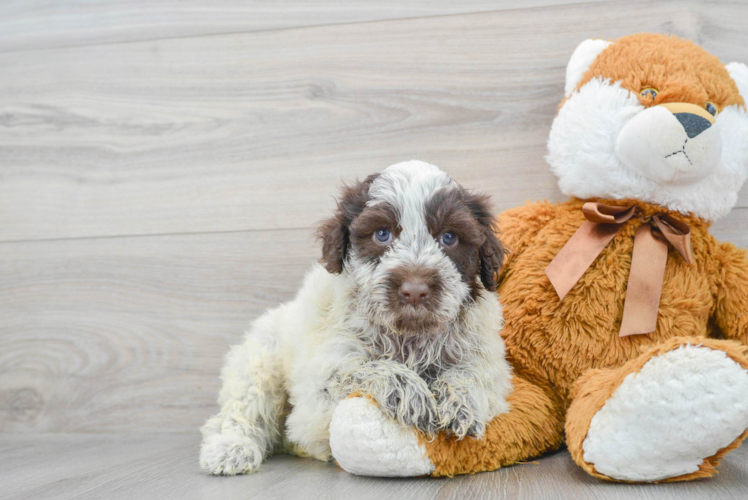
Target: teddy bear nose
(694,119)
(692,124)
(414,291)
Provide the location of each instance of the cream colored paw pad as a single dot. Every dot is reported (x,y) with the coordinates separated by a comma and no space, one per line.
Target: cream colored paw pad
(663,421)
(365,442)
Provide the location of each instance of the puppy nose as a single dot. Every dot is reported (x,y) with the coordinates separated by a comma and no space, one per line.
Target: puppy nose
(414,291)
(692,118)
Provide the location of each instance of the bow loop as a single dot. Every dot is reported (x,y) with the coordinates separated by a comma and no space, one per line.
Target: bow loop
(607,214)
(677,233)
(647,262)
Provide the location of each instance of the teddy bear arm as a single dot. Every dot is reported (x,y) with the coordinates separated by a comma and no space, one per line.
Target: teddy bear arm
(532,425)
(731,312)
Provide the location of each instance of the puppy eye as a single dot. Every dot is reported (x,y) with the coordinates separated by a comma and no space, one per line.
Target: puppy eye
(448,239)
(711,108)
(649,93)
(383,235)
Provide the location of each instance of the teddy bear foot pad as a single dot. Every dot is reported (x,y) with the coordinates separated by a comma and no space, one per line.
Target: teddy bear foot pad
(663,421)
(364,441)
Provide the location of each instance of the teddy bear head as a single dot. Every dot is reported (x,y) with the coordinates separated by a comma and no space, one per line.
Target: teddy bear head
(653,118)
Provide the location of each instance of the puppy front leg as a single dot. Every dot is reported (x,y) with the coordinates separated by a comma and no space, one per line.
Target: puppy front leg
(462,404)
(469,396)
(252,398)
(398,390)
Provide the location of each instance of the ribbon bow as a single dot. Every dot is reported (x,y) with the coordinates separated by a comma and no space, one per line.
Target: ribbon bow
(647,262)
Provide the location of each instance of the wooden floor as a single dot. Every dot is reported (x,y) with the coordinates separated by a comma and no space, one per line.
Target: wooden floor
(163,466)
(162,164)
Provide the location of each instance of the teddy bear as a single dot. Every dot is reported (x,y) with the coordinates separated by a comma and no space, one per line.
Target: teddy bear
(626,321)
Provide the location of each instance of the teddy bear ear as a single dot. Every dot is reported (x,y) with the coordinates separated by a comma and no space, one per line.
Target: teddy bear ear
(582,58)
(739,74)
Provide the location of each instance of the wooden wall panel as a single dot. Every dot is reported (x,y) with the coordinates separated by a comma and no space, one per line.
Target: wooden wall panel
(38,24)
(123,334)
(255,131)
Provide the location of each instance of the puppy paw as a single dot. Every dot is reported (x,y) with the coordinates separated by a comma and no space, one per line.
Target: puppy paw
(401,394)
(460,421)
(410,402)
(465,424)
(458,412)
(228,455)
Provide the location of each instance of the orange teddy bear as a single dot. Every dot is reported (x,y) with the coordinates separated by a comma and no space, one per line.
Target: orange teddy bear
(626,321)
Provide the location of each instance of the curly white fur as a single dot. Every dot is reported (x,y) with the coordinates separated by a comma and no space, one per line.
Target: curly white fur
(300,360)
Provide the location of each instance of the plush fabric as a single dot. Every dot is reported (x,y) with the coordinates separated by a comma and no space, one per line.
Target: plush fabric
(631,422)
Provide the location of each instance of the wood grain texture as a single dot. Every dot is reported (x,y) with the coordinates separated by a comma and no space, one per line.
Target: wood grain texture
(37,24)
(255,131)
(128,334)
(63,466)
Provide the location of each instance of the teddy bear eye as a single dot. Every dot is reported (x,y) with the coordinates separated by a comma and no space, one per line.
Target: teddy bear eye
(649,93)
(711,108)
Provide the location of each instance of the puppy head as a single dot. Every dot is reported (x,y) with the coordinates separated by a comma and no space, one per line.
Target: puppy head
(654,118)
(417,245)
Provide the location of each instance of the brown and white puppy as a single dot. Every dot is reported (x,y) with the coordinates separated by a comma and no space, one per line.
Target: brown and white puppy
(403,311)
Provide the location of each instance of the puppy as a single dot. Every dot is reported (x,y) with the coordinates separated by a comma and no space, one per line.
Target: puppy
(402,310)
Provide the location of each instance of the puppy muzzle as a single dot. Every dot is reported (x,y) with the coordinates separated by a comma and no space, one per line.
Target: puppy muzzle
(675,143)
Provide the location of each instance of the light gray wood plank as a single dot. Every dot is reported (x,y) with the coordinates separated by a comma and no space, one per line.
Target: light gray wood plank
(255,131)
(128,334)
(39,24)
(120,466)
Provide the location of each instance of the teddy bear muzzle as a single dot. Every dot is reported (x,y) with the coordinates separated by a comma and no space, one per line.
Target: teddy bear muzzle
(674,143)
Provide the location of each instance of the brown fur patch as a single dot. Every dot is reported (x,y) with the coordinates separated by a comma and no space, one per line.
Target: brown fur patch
(414,318)
(334,231)
(372,219)
(492,250)
(678,69)
(478,252)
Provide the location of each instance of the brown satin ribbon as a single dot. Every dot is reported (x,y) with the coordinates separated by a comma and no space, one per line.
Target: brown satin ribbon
(647,262)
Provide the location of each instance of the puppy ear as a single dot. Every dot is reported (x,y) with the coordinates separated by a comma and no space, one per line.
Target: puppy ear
(739,74)
(491,258)
(334,236)
(334,231)
(491,252)
(581,60)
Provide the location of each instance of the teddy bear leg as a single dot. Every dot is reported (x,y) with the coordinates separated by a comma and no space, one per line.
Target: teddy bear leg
(669,415)
(365,442)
